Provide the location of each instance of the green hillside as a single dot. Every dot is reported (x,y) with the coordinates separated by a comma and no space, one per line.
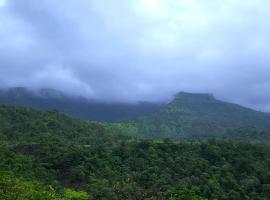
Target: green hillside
(187,116)
(198,116)
(24,125)
(48,155)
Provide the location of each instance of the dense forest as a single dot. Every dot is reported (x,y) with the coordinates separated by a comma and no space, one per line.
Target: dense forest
(49,155)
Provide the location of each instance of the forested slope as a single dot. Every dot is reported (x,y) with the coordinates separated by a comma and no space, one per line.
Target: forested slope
(45,152)
(187,116)
(198,116)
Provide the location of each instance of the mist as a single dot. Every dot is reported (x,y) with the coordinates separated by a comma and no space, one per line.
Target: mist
(138,50)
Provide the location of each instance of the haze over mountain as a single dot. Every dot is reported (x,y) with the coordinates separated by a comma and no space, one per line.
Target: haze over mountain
(50,99)
(140,50)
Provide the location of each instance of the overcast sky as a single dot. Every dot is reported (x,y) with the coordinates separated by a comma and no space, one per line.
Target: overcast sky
(134,50)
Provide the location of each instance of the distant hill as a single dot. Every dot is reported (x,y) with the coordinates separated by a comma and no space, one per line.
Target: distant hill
(198,116)
(50,99)
(187,116)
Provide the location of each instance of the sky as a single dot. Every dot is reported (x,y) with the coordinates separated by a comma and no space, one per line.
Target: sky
(138,50)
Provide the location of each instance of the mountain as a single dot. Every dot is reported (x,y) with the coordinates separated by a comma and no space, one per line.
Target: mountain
(198,116)
(187,116)
(52,156)
(50,99)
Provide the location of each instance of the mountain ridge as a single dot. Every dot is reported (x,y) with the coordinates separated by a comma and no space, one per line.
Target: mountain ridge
(199,115)
(90,109)
(187,116)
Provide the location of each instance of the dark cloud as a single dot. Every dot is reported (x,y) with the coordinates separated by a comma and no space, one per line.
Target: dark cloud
(138,49)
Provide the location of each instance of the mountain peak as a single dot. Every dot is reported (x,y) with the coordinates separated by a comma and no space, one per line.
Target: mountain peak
(194,96)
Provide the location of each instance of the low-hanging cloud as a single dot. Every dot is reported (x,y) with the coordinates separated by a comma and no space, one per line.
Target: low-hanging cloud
(138,50)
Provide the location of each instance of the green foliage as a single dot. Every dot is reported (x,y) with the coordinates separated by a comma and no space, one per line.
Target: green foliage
(186,194)
(48,152)
(16,189)
(24,125)
(74,195)
(248,133)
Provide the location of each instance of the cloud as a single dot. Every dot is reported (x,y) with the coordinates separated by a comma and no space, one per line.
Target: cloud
(139,49)
(2,3)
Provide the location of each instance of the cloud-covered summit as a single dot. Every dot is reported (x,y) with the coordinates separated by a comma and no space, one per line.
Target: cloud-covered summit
(138,49)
